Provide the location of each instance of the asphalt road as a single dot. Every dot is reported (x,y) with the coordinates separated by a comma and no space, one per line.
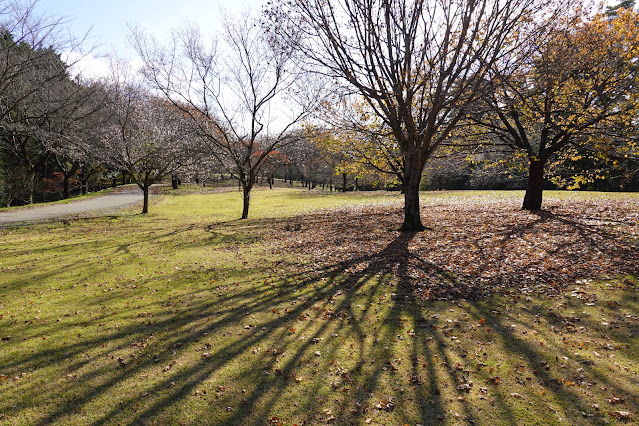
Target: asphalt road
(123,197)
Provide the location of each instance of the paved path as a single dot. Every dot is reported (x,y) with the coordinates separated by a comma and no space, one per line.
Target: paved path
(122,198)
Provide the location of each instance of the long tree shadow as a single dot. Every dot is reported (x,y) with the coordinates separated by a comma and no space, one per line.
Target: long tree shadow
(333,292)
(550,370)
(386,277)
(340,338)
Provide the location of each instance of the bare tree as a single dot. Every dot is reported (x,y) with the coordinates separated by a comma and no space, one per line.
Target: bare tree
(417,64)
(71,128)
(148,137)
(244,94)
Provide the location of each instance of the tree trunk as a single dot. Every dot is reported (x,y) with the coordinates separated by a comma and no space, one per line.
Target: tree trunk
(412,177)
(145,205)
(343,182)
(412,218)
(31,185)
(65,186)
(246,199)
(535,186)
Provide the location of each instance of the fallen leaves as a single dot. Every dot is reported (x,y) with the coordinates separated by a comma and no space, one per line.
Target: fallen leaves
(614,400)
(465,387)
(296,378)
(621,415)
(474,249)
(328,415)
(387,404)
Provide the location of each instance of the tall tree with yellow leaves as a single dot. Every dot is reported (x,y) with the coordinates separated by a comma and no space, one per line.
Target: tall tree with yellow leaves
(580,81)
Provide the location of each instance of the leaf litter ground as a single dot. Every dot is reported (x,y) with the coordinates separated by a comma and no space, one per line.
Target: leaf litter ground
(474,249)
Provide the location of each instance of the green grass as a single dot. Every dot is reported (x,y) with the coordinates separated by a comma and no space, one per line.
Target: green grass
(190,316)
(265,203)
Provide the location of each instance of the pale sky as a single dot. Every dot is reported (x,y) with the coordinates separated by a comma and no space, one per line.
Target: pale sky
(108,21)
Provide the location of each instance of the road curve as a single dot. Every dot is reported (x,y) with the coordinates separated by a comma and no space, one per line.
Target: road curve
(123,197)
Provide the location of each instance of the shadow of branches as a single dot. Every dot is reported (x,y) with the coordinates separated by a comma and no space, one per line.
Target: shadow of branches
(342,321)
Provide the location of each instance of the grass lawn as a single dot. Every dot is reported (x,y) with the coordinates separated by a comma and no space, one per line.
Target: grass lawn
(315,311)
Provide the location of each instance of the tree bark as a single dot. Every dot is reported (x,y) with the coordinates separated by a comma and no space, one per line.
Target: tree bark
(84,177)
(145,205)
(31,185)
(535,186)
(67,173)
(412,177)
(343,182)
(246,199)
(412,218)
(65,186)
